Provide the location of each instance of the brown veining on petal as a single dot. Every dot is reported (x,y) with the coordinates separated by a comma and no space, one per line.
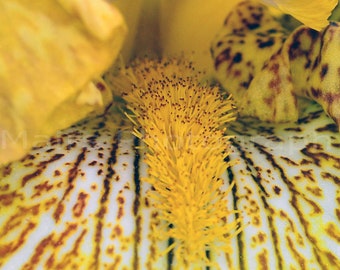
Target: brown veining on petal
(329,127)
(78,208)
(289,161)
(38,252)
(316,152)
(287,191)
(302,262)
(72,174)
(6,170)
(263,260)
(120,201)
(136,203)
(333,232)
(8,198)
(30,176)
(8,248)
(296,201)
(334,178)
(102,210)
(308,174)
(41,188)
(254,208)
(41,167)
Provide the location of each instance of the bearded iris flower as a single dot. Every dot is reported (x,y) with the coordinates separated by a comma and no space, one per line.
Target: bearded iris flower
(157,194)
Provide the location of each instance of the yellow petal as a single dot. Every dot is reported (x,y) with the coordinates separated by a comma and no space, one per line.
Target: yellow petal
(312,13)
(131,10)
(189,26)
(249,66)
(95,95)
(48,51)
(98,17)
(266,69)
(318,81)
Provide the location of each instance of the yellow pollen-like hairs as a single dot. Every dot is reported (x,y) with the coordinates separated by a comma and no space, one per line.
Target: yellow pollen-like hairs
(182,124)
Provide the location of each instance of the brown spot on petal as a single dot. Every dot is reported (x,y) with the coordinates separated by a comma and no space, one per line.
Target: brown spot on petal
(30,176)
(78,208)
(316,93)
(277,190)
(267,43)
(324,71)
(263,259)
(237,58)
(222,57)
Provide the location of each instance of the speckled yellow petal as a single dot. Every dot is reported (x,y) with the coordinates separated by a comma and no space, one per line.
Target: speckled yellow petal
(266,68)
(248,65)
(49,50)
(312,13)
(314,61)
(78,202)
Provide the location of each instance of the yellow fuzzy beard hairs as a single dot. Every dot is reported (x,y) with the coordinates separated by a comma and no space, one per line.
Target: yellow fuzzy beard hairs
(266,68)
(182,123)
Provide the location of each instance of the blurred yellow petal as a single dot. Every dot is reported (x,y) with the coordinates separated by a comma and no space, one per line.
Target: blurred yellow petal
(190,25)
(50,50)
(98,17)
(94,96)
(131,10)
(312,13)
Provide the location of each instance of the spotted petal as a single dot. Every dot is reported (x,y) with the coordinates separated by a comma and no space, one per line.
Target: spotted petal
(255,56)
(78,200)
